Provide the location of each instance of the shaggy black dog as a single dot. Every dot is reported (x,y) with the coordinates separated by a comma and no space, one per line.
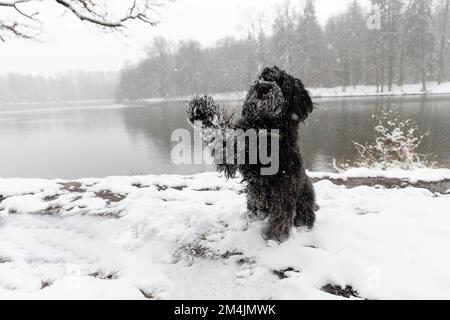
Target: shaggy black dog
(275,101)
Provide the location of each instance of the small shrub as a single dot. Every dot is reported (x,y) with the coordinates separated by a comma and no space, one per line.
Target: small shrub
(396,145)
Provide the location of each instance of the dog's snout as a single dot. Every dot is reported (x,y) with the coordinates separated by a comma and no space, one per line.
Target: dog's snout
(262,88)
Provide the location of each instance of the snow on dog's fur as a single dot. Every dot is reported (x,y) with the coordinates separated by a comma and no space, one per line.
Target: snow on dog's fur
(275,101)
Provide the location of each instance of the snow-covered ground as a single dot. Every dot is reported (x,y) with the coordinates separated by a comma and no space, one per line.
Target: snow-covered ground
(188,237)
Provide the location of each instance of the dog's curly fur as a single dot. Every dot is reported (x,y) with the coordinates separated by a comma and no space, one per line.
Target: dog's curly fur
(275,101)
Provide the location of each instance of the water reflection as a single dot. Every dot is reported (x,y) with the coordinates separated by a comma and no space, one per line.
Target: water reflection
(116,140)
(336,124)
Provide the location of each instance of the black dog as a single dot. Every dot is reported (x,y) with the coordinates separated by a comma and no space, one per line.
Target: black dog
(275,101)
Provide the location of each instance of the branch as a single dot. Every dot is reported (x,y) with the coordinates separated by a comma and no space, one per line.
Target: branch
(98,18)
(14,5)
(85,10)
(13,28)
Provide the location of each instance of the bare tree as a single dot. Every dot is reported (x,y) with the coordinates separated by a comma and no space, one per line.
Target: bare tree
(393,20)
(283,34)
(419,38)
(22,20)
(256,34)
(308,45)
(444,40)
(407,25)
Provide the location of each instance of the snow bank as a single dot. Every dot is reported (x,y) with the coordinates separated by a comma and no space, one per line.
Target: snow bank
(176,237)
(363,91)
(419,174)
(337,92)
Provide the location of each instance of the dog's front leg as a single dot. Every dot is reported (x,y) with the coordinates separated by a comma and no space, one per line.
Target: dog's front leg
(214,122)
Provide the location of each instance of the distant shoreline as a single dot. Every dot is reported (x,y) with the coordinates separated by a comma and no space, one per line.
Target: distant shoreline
(52,102)
(410,90)
(385,95)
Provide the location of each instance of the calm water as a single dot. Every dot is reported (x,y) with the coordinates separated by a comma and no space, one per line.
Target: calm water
(96,141)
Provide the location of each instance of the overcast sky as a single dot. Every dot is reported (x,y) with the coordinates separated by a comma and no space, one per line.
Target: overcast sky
(69,44)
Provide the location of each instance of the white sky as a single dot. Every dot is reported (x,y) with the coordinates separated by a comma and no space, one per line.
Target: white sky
(69,44)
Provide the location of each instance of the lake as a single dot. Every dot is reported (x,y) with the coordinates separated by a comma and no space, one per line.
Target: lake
(75,141)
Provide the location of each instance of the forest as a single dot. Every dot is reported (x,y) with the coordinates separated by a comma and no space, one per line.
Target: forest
(394,42)
(69,86)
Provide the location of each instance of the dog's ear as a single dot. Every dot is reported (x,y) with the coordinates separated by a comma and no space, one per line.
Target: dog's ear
(301,102)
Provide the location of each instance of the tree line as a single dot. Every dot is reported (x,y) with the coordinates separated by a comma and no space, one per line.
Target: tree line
(18,88)
(392,43)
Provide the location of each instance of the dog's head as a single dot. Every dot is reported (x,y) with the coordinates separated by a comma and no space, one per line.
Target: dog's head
(278,98)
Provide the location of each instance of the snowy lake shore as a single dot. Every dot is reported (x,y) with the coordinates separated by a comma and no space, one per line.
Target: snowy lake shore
(189,237)
(337,92)
(433,89)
